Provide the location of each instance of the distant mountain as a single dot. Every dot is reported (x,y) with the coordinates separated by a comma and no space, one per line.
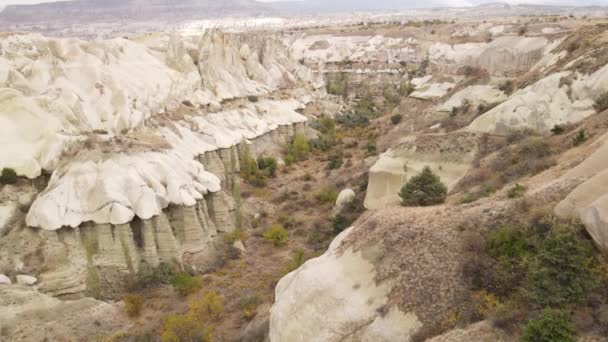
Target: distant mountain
(85,11)
(65,13)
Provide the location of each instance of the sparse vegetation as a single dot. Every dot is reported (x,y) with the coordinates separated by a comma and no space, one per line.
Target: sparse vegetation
(601,102)
(185,284)
(8,176)
(299,148)
(406,88)
(530,264)
(339,223)
(149,276)
(185,328)
(516,191)
(208,307)
(249,302)
(133,304)
(252,98)
(327,195)
(423,189)
(396,119)
(507,87)
(548,327)
(277,235)
(579,138)
(558,129)
(268,165)
(561,272)
(337,84)
(335,161)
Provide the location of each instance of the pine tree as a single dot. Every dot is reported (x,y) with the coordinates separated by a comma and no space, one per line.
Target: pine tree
(423,189)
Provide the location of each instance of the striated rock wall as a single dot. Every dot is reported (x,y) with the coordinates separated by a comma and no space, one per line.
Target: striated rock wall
(99,259)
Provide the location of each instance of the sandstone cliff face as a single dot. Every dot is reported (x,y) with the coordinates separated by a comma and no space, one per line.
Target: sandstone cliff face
(141,151)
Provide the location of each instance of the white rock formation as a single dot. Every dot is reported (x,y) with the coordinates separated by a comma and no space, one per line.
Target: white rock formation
(589,200)
(546,103)
(9,212)
(345,197)
(474,95)
(449,156)
(331,48)
(506,55)
(26,279)
(138,144)
(4,280)
(310,302)
(24,308)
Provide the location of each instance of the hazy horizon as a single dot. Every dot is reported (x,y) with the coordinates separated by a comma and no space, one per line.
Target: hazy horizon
(401,4)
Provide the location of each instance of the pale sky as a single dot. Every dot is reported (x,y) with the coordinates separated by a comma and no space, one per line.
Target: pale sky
(446,2)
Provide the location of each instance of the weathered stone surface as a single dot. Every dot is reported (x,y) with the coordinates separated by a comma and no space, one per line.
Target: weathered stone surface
(310,302)
(483,331)
(4,280)
(23,279)
(345,197)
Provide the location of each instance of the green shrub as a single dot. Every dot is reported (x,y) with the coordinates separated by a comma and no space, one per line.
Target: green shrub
(423,189)
(391,95)
(250,171)
(296,261)
(469,198)
(335,161)
(185,328)
(561,272)
(601,102)
(371,147)
(149,276)
(133,304)
(208,307)
(337,85)
(8,176)
(548,327)
(516,191)
(327,124)
(406,88)
(249,302)
(579,138)
(253,98)
(339,223)
(185,284)
(300,147)
(268,165)
(327,195)
(507,87)
(289,160)
(508,242)
(396,119)
(557,129)
(277,235)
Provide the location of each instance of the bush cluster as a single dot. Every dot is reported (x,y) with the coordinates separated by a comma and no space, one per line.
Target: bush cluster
(133,304)
(423,189)
(396,119)
(601,102)
(8,176)
(549,326)
(185,284)
(337,85)
(525,267)
(277,235)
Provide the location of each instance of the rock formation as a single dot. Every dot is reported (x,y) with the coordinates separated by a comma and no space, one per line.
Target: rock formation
(140,150)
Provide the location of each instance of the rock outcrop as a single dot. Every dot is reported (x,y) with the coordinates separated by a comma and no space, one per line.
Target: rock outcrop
(450,156)
(141,150)
(589,200)
(394,271)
